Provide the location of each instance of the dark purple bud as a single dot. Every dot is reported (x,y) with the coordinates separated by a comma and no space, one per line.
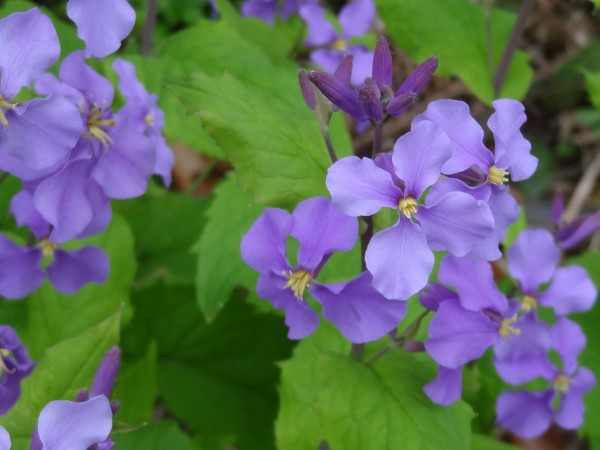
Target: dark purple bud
(400,103)
(558,204)
(82,396)
(382,63)
(104,381)
(417,80)
(576,231)
(306,87)
(344,70)
(114,406)
(370,96)
(338,93)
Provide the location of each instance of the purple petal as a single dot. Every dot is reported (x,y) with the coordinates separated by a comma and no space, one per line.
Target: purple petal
(454,118)
(399,104)
(457,336)
(571,291)
(101,210)
(65,425)
(23,208)
(299,317)
(505,209)
(338,93)
(384,160)
(358,187)
(307,90)
(419,156)
(20,271)
(29,47)
(4,439)
(76,73)
(434,294)
(457,223)
(363,64)
(568,340)
(320,31)
(356,18)
(264,10)
(264,245)
(18,366)
(106,374)
(418,79)
(71,270)
(399,260)
(129,85)
(571,410)
(532,259)
(382,63)
(165,160)
(360,312)
(370,96)
(321,229)
(573,233)
(528,414)
(329,60)
(512,151)
(474,282)
(343,72)
(558,206)
(101,24)
(447,386)
(40,135)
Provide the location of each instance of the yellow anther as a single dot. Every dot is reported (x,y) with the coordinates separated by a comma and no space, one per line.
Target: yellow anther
(297,282)
(497,176)
(5,353)
(562,383)
(96,125)
(407,206)
(529,303)
(340,45)
(149,120)
(4,105)
(506,328)
(48,248)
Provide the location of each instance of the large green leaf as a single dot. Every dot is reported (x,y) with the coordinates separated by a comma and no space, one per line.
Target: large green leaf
(156,436)
(455,32)
(327,396)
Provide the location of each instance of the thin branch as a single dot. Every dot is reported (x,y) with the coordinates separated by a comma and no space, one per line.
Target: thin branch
(583,190)
(148,30)
(329,144)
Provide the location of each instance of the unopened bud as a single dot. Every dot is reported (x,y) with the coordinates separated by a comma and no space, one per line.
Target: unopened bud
(307,89)
(370,96)
(338,93)
(382,63)
(400,103)
(417,80)
(104,381)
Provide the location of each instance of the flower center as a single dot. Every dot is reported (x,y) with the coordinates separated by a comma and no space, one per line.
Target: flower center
(506,328)
(4,105)
(407,206)
(48,248)
(149,120)
(529,303)
(5,353)
(97,125)
(297,282)
(340,45)
(497,176)
(562,383)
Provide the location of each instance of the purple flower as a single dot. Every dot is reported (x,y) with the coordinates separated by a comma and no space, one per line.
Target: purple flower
(533,260)
(529,414)
(360,312)
(15,365)
(446,388)
(400,258)
(35,136)
(4,439)
(568,235)
(266,10)
(101,24)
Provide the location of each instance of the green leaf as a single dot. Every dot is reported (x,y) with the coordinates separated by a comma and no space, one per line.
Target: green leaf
(515,228)
(455,32)
(592,82)
(328,396)
(218,378)
(479,442)
(156,436)
(220,266)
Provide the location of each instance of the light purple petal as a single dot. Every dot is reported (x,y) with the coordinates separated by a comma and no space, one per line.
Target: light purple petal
(363,64)
(29,47)
(358,187)
(457,223)
(40,135)
(573,233)
(299,317)
(327,59)
(571,410)
(65,425)
(264,245)
(71,270)
(321,229)
(474,282)
(434,294)
(419,156)
(399,260)
(505,209)
(356,18)
(101,210)
(571,291)
(457,336)
(511,151)
(23,208)
(360,312)
(320,31)
(264,10)
(20,271)
(527,414)
(101,24)
(129,84)
(4,439)
(568,340)
(454,118)
(165,160)
(532,259)
(447,386)
(76,73)
(384,160)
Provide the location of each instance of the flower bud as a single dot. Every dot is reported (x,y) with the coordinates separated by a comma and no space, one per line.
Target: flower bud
(417,80)
(307,90)
(382,63)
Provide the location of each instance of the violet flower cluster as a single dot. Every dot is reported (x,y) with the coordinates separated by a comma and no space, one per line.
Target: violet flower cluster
(72,152)
(268,10)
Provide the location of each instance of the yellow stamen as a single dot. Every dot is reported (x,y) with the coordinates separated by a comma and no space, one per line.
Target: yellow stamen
(407,206)
(149,120)
(529,303)
(3,106)
(340,45)
(4,353)
(562,383)
(497,176)
(96,125)
(297,282)
(48,248)
(506,328)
